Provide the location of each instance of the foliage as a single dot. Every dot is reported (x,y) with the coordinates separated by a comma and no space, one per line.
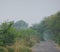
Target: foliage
(7,34)
(28,36)
(1,49)
(51,26)
(20,25)
(25,49)
(39,29)
(10,50)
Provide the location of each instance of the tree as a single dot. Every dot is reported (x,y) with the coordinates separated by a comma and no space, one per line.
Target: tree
(7,34)
(51,25)
(21,25)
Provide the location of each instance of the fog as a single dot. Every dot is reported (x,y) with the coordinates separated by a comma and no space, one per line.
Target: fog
(31,11)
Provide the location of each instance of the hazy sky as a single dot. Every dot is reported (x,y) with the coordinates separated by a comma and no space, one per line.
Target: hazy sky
(31,11)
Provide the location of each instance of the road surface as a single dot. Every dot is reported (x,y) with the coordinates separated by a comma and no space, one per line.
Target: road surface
(45,46)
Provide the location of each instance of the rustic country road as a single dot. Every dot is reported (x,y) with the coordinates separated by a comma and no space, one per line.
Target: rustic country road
(45,46)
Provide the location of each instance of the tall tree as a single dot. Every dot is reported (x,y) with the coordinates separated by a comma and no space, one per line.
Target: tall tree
(21,25)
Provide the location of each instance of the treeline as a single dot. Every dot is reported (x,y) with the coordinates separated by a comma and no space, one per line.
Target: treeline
(17,37)
(50,28)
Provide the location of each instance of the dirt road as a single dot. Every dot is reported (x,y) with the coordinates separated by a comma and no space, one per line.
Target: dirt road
(45,46)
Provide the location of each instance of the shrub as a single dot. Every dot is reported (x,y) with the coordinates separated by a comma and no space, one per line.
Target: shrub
(10,50)
(1,50)
(24,49)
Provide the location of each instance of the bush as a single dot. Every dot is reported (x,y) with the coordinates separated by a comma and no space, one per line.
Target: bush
(10,50)
(1,50)
(30,44)
(24,49)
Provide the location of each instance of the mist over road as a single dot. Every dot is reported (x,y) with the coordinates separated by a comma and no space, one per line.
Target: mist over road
(45,46)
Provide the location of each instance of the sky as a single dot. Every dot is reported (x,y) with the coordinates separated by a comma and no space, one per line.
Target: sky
(31,11)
